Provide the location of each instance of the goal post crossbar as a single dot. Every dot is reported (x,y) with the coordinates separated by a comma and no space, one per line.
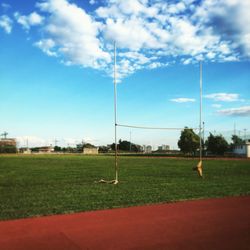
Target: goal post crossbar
(147,127)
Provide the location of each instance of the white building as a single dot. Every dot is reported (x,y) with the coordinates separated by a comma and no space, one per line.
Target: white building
(164,147)
(90,151)
(24,150)
(242,150)
(147,149)
(46,149)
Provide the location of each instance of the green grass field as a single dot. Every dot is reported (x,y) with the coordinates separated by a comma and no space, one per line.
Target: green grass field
(41,185)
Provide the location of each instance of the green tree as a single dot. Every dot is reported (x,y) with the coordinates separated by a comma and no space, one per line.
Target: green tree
(125,146)
(88,145)
(189,141)
(216,144)
(57,149)
(103,149)
(236,140)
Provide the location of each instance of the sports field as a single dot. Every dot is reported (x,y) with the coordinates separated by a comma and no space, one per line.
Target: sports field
(48,184)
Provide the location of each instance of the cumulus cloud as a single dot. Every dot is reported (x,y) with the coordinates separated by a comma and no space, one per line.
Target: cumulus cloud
(47,46)
(224,97)
(230,20)
(6,23)
(32,19)
(182,100)
(131,34)
(148,34)
(74,34)
(242,111)
(155,65)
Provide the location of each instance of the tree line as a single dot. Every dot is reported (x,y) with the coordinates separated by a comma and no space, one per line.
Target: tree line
(189,143)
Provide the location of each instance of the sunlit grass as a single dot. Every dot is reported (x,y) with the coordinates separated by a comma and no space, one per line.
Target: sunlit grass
(42,185)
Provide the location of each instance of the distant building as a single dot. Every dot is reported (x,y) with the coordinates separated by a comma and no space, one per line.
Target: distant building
(90,151)
(8,142)
(24,150)
(46,149)
(147,149)
(8,145)
(163,148)
(242,150)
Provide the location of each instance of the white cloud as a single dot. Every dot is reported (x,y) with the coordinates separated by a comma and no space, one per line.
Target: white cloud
(33,141)
(131,34)
(187,61)
(242,111)
(182,100)
(75,34)
(5,6)
(230,20)
(47,46)
(6,23)
(176,8)
(224,97)
(135,56)
(74,141)
(123,8)
(32,19)
(92,2)
(217,106)
(155,65)
(149,34)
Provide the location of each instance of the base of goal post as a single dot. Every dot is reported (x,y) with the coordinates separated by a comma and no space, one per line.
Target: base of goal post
(115,182)
(198,168)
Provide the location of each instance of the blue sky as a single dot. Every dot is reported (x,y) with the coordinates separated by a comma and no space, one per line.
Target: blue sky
(57,59)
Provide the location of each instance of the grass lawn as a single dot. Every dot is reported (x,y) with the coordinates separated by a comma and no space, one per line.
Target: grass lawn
(41,185)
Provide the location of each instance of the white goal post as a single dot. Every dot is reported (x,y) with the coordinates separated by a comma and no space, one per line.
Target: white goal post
(198,168)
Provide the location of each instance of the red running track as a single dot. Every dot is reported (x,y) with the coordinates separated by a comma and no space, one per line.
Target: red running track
(204,224)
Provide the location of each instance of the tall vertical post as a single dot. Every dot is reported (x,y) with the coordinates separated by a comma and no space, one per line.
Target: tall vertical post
(199,165)
(115,114)
(203,136)
(200,110)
